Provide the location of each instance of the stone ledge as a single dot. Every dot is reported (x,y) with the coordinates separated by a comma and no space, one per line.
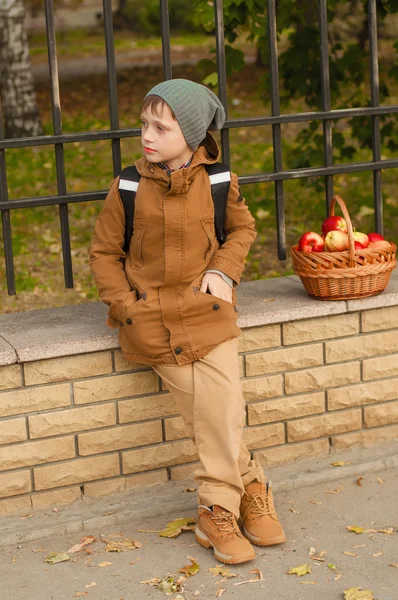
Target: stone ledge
(81,328)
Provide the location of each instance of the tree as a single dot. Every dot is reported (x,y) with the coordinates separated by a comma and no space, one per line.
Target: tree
(18,98)
(299,64)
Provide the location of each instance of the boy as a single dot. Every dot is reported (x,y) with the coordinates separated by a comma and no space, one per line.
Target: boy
(172,296)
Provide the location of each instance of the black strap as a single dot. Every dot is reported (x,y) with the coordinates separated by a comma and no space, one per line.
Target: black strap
(128,200)
(219,192)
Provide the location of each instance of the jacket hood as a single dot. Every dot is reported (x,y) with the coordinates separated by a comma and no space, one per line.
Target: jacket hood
(207,153)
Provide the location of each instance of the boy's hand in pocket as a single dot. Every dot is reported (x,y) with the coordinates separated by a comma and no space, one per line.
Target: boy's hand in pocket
(216,286)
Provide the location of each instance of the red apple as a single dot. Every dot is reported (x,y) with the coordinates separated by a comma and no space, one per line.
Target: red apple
(362,238)
(374,237)
(334,223)
(358,246)
(380,245)
(336,241)
(311,242)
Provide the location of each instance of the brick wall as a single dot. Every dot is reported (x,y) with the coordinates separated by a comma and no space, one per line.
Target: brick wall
(94,424)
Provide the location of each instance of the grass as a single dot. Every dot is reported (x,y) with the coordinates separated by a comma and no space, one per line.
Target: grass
(31,172)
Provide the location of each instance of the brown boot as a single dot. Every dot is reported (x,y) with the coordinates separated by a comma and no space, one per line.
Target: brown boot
(219,530)
(257,511)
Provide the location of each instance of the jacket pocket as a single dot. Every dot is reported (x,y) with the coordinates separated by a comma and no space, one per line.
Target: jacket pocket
(136,241)
(208,227)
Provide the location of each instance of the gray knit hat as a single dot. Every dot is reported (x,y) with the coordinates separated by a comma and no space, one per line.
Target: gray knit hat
(196,108)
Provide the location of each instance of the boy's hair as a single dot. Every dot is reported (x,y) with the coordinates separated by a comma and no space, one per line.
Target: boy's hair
(156,104)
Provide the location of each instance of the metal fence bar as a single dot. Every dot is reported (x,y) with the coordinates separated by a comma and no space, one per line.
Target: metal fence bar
(59,149)
(276,129)
(165,32)
(112,84)
(92,136)
(325,86)
(375,101)
(243,179)
(5,219)
(222,75)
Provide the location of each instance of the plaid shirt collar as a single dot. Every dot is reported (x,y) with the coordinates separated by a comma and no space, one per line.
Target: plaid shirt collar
(170,170)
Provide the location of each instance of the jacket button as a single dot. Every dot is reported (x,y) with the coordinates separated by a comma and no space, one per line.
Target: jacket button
(216,306)
(129,321)
(178,350)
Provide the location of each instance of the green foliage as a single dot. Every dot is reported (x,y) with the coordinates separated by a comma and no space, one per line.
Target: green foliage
(144,17)
(299,62)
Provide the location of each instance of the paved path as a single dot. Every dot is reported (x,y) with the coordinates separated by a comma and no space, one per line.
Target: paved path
(314,516)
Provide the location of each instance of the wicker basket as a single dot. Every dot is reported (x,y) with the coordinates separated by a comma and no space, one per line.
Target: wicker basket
(344,275)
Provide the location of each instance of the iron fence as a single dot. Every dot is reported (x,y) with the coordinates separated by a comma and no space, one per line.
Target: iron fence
(115,134)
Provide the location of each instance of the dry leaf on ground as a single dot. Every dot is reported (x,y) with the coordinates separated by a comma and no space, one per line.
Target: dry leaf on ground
(189,490)
(88,539)
(356,529)
(169,585)
(393,565)
(378,553)
(308,582)
(78,594)
(359,481)
(314,502)
(104,563)
(294,511)
(257,572)
(89,585)
(122,545)
(350,553)
(319,557)
(340,463)
(192,569)
(220,592)
(355,593)
(299,571)
(174,528)
(220,570)
(55,557)
(379,480)
(336,491)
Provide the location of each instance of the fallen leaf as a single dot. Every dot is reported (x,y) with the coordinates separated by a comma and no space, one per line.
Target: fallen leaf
(110,512)
(268,299)
(336,491)
(257,572)
(189,490)
(314,502)
(134,561)
(359,481)
(168,584)
(350,553)
(220,570)
(14,559)
(360,546)
(356,529)
(78,594)
(378,553)
(319,557)
(388,531)
(89,585)
(220,592)
(354,593)
(379,480)
(340,463)
(122,545)
(29,516)
(337,577)
(190,570)
(55,557)
(149,530)
(332,567)
(88,539)
(308,582)
(393,565)
(294,511)
(104,563)
(174,528)
(299,571)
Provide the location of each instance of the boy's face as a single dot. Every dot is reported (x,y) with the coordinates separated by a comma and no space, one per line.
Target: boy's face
(162,139)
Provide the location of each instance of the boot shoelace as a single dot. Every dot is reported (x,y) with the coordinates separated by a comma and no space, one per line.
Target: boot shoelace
(226,522)
(261,504)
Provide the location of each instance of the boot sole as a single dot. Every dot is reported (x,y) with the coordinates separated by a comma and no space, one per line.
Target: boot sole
(204,541)
(258,542)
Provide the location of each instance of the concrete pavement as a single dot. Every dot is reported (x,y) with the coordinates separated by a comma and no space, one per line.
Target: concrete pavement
(315,502)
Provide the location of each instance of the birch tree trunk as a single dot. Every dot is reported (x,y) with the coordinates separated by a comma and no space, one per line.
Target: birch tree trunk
(18,97)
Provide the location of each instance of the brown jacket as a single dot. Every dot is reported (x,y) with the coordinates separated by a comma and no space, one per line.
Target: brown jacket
(153,292)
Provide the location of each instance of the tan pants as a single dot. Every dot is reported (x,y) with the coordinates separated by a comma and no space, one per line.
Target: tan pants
(208,394)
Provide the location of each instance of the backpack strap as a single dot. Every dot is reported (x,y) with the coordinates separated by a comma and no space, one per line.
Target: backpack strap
(128,185)
(220,180)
